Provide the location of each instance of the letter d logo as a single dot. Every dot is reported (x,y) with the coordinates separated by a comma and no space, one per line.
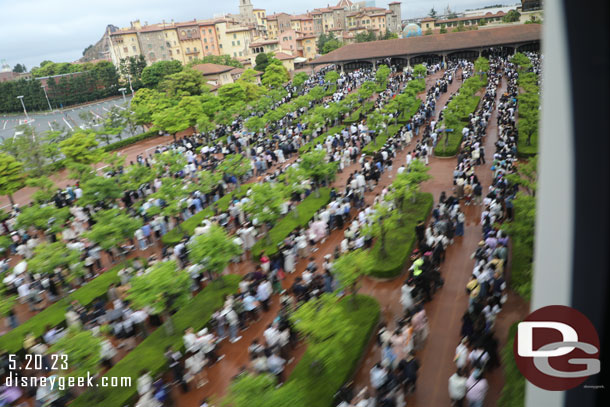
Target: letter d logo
(525,333)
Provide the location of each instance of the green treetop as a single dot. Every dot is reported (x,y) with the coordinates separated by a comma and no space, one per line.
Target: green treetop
(11,176)
(214,249)
(112,227)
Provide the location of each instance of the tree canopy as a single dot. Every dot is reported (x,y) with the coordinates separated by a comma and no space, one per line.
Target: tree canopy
(112,227)
(153,75)
(11,175)
(214,249)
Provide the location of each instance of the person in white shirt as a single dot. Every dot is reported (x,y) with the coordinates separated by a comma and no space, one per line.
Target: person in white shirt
(461,354)
(457,387)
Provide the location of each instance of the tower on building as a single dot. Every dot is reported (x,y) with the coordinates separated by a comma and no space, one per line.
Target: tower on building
(395,19)
(246,11)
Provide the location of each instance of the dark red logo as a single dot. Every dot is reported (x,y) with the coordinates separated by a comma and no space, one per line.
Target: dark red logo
(557,348)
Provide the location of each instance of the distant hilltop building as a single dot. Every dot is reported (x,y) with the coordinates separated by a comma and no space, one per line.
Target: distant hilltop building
(244,35)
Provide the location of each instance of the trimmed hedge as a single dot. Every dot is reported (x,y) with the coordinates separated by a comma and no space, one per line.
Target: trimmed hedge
(131,140)
(455,138)
(513,392)
(400,241)
(174,236)
(149,355)
(315,380)
(380,140)
(12,341)
(305,212)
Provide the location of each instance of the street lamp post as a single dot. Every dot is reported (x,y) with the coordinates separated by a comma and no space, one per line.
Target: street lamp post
(130,87)
(27,118)
(47,96)
(122,90)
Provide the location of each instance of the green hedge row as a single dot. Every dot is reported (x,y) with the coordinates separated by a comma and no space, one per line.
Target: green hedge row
(131,140)
(307,147)
(149,355)
(455,138)
(317,377)
(174,236)
(361,111)
(380,140)
(55,314)
(304,213)
(513,392)
(400,241)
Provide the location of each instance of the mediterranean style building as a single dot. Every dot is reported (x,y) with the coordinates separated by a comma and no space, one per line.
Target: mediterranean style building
(252,31)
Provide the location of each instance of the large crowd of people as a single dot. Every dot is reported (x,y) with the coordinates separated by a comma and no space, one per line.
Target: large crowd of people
(270,153)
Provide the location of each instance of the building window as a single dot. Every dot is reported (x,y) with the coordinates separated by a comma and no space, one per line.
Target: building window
(177,51)
(165,35)
(205,40)
(233,43)
(240,53)
(162,47)
(210,30)
(125,50)
(188,50)
(190,57)
(195,49)
(183,33)
(235,54)
(149,46)
(234,35)
(238,42)
(220,46)
(134,48)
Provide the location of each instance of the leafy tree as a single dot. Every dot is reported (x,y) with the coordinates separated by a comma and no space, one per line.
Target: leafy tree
(252,390)
(275,75)
(521,60)
(217,59)
(112,227)
(407,185)
(50,256)
(460,28)
(136,175)
(349,268)
(428,32)
(443,29)
(83,350)
(382,74)
(481,65)
(99,191)
(299,79)
(261,61)
(171,193)
(46,189)
(512,16)
(132,67)
(20,68)
(204,124)
(367,89)
(384,219)
(11,176)
(214,249)
(265,204)
(234,165)
(316,167)
(114,123)
(526,175)
(187,82)
(171,120)
(28,148)
(432,13)
(366,36)
(81,148)
(146,102)
(331,46)
(255,124)
(46,217)
(153,75)
(163,288)
(331,76)
(50,144)
(420,71)
(129,121)
(230,94)
(7,302)
(389,35)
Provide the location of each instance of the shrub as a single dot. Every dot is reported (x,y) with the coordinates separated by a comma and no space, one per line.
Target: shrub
(513,392)
(149,355)
(131,140)
(305,212)
(380,140)
(54,315)
(313,382)
(400,241)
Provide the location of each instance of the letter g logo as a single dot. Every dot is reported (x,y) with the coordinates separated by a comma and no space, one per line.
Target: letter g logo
(553,344)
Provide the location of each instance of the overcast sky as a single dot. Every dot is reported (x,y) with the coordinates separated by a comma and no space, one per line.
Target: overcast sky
(58,30)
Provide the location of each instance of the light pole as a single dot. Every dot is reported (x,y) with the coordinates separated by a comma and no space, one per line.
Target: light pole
(47,96)
(122,90)
(27,118)
(130,87)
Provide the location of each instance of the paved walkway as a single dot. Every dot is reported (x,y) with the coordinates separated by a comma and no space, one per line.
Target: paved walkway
(450,302)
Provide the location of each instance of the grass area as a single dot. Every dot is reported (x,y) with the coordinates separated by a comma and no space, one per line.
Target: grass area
(304,213)
(54,315)
(405,116)
(400,241)
(452,146)
(513,392)
(174,236)
(310,145)
(317,377)
(149,355)
(379,141)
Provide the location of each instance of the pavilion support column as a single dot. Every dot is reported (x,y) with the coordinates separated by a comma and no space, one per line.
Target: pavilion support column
(444,61)
(480,52)
(374,61)
(341,66)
